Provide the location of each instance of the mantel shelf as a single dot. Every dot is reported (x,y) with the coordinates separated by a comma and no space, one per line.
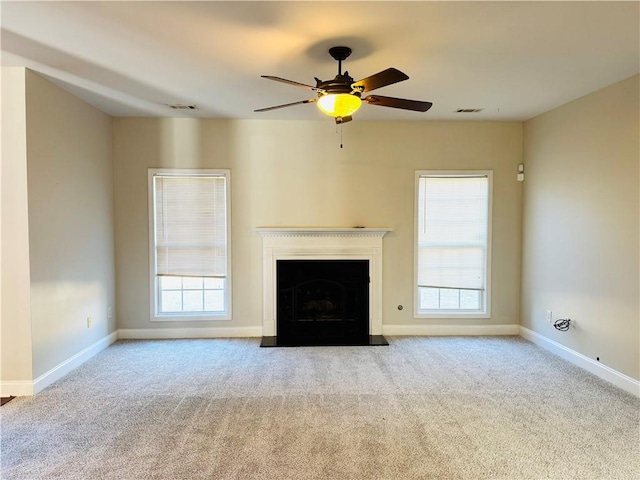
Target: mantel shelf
(323,231)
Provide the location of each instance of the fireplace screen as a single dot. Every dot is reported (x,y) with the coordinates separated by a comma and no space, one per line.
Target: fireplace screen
(323,302)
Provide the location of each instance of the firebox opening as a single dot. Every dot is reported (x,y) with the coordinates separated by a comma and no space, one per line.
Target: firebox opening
(322,302)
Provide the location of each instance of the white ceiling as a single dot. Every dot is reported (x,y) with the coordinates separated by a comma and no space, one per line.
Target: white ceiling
(513,59)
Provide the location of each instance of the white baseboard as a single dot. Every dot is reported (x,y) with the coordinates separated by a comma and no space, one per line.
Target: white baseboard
(26,388)
(59,371)
(620,380)
(440,330)
(168,333)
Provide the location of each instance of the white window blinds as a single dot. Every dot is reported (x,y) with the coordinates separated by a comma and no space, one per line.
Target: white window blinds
(190,225)
(452,231)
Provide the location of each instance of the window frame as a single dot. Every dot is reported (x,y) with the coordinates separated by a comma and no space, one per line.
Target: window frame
(485,312)
(154,301)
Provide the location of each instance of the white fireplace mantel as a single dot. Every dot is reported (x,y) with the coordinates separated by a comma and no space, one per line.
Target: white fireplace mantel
(309,243)
(322,231)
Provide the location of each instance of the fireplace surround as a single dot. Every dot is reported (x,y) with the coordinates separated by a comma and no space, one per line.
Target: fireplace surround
(284,243)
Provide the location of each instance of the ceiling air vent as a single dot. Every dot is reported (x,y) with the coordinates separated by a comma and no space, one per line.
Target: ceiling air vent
(180,106)
(469,110)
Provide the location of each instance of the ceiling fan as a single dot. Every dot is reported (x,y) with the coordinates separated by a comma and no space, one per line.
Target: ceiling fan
(341,96)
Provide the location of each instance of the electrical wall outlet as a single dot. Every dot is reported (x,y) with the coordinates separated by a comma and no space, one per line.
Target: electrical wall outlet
(109,312)
(89,321)
(549,316)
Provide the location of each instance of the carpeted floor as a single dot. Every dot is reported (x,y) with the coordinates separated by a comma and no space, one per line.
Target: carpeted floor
(422,408)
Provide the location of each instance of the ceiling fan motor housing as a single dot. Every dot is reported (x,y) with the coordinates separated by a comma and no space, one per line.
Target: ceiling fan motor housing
(340,84)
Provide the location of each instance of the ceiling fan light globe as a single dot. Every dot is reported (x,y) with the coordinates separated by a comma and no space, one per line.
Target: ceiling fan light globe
(339,104)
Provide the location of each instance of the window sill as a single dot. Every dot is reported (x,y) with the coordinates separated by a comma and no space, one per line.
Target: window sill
(191,318)
(448,315)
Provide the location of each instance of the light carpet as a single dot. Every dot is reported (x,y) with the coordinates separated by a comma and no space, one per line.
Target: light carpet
(422,408)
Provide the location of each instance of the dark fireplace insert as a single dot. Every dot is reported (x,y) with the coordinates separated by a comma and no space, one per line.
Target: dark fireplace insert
(322,302)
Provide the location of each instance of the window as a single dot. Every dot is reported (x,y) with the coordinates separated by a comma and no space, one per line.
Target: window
(453,225)
(189,244)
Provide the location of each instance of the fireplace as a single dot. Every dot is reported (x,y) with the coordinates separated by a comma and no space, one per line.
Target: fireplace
(315,320)
(323,302)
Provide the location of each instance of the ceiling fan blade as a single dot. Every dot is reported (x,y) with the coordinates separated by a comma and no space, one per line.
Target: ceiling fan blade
(381,79)
(402,103)
(311,100)
(291,82)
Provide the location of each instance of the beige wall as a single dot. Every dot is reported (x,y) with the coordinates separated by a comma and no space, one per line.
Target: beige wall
(16,312)
(581,220)
(295,174)
(577,223)
(70,189)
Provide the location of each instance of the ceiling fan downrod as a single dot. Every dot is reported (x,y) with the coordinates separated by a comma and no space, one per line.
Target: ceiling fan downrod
(340,54)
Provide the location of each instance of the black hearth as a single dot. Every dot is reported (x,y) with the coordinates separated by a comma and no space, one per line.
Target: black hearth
(322,302)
